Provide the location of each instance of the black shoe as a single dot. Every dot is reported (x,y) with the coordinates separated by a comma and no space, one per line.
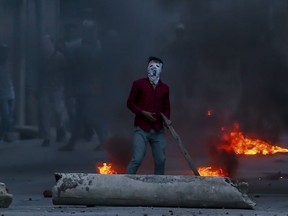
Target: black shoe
(45,143)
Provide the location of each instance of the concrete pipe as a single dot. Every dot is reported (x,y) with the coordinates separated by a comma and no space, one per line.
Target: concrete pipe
(148,190)
(5,197)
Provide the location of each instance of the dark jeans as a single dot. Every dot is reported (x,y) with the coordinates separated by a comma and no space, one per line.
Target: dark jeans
(6,116)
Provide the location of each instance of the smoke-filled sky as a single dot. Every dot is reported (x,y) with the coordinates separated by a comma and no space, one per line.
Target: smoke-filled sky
(226,56)
(221,55)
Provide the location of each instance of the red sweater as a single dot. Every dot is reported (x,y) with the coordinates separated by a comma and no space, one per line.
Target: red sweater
(143,97)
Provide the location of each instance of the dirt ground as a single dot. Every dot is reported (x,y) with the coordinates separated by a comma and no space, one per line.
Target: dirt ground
(28,170)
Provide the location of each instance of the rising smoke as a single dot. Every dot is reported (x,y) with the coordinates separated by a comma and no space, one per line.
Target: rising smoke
(221,55)
(226,56)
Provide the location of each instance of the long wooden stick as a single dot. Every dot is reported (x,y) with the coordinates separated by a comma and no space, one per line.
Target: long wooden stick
(168,124)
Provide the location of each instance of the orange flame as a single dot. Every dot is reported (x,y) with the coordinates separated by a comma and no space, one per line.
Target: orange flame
(106,169)
(210,112)
(210,171)
(240,144)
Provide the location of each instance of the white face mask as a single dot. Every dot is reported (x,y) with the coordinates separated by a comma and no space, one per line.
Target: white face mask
(154,69)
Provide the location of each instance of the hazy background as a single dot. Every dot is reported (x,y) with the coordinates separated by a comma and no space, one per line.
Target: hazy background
(226,56)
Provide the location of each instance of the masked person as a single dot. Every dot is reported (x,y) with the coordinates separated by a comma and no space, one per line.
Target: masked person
(86,81)
(149,97)
(51,91)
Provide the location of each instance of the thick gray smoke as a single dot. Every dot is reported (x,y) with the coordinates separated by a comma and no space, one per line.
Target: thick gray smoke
(226,57)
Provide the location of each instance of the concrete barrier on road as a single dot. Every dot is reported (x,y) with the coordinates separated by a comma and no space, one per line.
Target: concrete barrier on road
(5,197)
(148,190)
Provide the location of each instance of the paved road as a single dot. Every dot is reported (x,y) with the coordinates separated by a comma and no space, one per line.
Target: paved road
(36,205)
(27,169)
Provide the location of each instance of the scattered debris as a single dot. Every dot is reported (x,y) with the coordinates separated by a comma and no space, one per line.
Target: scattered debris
(5,197)
(47,193)
(276,176)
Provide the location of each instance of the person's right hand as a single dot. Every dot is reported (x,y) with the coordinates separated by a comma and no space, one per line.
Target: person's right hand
(149,115)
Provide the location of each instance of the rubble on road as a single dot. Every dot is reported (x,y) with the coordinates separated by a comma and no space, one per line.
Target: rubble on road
(5,197)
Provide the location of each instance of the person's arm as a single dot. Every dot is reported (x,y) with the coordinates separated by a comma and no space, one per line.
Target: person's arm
(166,105)
(132,104)
(132,100)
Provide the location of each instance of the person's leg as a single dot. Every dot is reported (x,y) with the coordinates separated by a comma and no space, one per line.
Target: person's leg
(4,118)
(102,128)
(11,103)
(139,150)
(90,116)
(158,145)
(70,105)
(88,131)
(44,117)
(102,122)
(77,127)
(103,136)
(58,108)
(10,120)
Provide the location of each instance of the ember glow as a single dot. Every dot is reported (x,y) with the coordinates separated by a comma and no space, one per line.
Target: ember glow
(210,171)
(210,112)
(106,168)
(236,141)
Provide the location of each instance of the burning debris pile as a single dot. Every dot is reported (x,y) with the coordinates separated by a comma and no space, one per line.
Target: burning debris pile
(224,150)
(210,171)
(105,168)
(238,143)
